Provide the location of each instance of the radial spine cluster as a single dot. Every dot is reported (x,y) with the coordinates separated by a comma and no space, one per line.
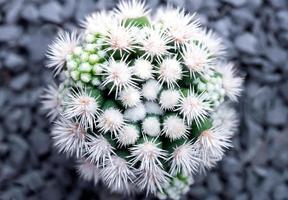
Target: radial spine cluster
(144,104)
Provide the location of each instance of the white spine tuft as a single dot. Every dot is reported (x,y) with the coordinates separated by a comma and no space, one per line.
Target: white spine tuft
(129,135)
(154,43)
(151,175)
(170,71)
(150,90)
(98,23)
(211,145)
(99,150)
(226,117)
(130,97)
(153,108)
(151,126)
(169,99)
(135,113)
(175,128)
(184,159)
(88,171)
(111,120)
(119,74)
(196,58)
(143,69)
(131,9)
(52,101)
(180,25)
(62,47)
(194,107)
(69,137)
(231,83)
(120,38)
(118,175)
(81,105)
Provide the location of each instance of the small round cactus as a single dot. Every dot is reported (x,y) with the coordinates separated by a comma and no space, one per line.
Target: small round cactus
(143,105)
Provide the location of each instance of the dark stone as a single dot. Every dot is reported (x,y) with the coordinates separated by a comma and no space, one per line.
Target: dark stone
(214,183)
(282,19)
(13,11)
(223,26)
(30,13)
(212,197)
(20,81)
(278,3)
(69,7)
(7,172)
(277,55)
(32,181)
(247,43)
(51,12)
(235,185)
(39,142)
(280,192)
(242,17)
(254,4)
(9,33)
(14,62)
(198,192)
(4,148)
(85,7)
(18,150)
(37,41)
(284,90)
(231,166)
(51,191)
(13,193)
(26,122)
(277,114)
(12,120)
(242,196)
(236,3)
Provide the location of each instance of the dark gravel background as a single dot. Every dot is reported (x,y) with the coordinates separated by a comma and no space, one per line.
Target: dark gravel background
(257,36)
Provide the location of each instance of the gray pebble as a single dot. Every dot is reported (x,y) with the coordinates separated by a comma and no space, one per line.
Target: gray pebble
(243,17)
(242,196)
(277,114)
(13,11)
(276,55)
(279,3)
(39,142)
(247,43)
(214,183)
(30,13)
(280,192)
(14,62)
(51,191)
(7,172)
(14,193)
(51,12)
(20,81)
(9,33)
(236,3)
(18,151)
(32,181)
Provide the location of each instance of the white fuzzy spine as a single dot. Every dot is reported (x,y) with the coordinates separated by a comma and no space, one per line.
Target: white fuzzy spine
(69,137)
(118,175)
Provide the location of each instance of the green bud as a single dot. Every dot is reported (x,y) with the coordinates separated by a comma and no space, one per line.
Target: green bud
(85,67)
(75,75)
(85,77)
(139,22)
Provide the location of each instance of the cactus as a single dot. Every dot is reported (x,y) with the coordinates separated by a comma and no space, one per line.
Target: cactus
(144,102)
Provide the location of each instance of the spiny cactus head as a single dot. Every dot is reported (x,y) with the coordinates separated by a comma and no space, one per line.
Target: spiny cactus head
(142,105)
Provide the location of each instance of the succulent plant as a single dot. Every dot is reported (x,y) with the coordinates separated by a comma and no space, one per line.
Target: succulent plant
(144,102)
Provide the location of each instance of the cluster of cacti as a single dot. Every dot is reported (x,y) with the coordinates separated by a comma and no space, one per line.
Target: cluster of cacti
(141,104)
